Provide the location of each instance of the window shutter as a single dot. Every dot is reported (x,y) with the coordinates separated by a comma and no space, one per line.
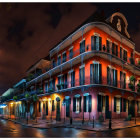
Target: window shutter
(46,107)
(92,42)
(120,52)
(116,78)
(83,75)
(114,104)
(100,73)
(107,107)
(124,105)
(80,47)
(120,104)
(69,100)
(80,103)
(91,73)
(94,74)
(124,81)
(74,104)
(107,45)
(85,103)
(83,42)
(116,50)
(108,75)
(99,103)
(80,80)
(95,40)
(113,48)
(100,43)
(90,103)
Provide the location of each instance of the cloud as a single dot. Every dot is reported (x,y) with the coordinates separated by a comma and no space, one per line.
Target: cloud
(29,30)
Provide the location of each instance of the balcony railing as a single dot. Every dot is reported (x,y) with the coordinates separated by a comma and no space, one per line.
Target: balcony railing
(103,50)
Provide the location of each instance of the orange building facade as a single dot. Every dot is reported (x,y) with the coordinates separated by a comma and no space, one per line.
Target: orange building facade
(94,72)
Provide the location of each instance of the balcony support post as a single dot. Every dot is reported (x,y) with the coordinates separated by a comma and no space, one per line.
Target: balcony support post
(71,110)
(82,90)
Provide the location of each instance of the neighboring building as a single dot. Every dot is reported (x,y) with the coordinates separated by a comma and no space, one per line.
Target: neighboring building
(95,70)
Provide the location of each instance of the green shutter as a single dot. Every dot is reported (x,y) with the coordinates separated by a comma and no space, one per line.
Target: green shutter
(90,103)
(74,104)
(46,107)
(99,108)
(84,103)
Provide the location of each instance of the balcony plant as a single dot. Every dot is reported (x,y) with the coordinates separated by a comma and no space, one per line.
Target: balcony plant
(101,118)
(15,98)
(139,63)
(132,81)
(50,90)
(30,77)
(58,86)
(40,90)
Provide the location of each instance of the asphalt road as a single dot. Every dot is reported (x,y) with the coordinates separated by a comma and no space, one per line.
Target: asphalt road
(10,129)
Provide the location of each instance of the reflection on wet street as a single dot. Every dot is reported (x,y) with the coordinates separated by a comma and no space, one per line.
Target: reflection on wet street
(10,129)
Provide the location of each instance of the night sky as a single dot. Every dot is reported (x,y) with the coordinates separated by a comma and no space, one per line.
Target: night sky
(29,30)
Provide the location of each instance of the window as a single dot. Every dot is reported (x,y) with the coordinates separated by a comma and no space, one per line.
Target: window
(54,64)
(46,86)
(121,52)
(124,55)
(87,103)
(71,53)
(95,73)
(82,75)
(82,46)
(73,79)
(103,103)
(114,49)
(77,104)
(108,45)
(52,84)
(111,76)
(59,60)
(64,57)
(96,43)
(117,105)
(122,80)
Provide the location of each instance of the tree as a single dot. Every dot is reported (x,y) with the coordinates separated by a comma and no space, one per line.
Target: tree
(27,96)
(35,99)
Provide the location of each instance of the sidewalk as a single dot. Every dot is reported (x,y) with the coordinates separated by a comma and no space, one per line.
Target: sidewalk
(77,123)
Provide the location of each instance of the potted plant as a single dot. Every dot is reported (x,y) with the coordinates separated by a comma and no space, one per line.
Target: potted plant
(40,90)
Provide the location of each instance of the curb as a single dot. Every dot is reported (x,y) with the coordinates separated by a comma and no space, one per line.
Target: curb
(63,126)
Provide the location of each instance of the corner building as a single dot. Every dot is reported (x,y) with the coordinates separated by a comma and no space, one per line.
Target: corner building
(95,70)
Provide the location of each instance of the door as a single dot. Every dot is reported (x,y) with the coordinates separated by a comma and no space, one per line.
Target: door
(58,111)
(131,108)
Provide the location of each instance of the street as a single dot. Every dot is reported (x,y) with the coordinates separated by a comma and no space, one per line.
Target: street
(10,129)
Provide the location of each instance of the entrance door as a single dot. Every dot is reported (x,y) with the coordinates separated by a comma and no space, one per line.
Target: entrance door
(67,108)
(58,111)
(131,108)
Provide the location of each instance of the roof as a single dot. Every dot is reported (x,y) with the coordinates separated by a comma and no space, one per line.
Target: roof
(100,17)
